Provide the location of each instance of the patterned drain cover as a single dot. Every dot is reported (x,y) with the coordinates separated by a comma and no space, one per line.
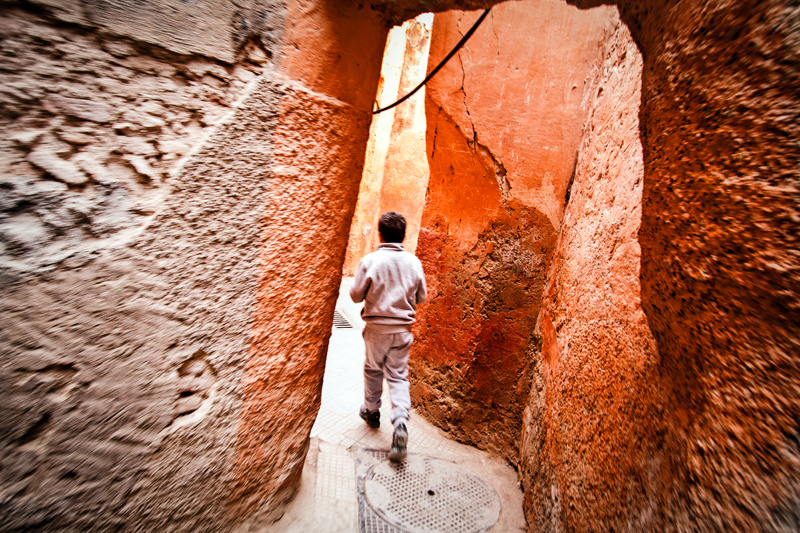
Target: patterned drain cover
(426,495)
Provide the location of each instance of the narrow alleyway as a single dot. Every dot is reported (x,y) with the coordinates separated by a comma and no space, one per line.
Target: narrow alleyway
(327,499)
(603,196)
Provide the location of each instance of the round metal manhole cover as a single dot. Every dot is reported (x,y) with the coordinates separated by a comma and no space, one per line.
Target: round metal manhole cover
(426,495)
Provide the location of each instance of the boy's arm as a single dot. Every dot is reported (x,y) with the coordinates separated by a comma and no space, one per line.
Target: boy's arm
(360,285)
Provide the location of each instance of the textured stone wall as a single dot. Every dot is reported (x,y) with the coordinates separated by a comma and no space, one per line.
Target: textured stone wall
(95,126)
(128,275)
(505,118)
(719,271)
(597,401)
(174,226)
(691,426)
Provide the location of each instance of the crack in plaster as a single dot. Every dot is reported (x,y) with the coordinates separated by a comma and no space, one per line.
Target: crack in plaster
(435,132)
(500,174)
(474,142)
(495,35)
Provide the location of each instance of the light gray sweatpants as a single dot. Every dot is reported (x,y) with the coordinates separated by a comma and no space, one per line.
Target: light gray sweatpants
(387,356)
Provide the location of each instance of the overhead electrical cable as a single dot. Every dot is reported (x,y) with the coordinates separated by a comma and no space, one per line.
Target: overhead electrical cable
(440,65)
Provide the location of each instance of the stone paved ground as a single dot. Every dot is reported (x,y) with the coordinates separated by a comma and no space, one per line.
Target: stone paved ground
(327,500)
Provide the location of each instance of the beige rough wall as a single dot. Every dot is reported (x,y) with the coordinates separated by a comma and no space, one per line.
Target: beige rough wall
(128,275)
(318,152)
(95,127)
(210,28)
(146,297)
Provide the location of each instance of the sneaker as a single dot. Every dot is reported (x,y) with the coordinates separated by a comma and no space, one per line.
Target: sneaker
(372,418)
(399,443)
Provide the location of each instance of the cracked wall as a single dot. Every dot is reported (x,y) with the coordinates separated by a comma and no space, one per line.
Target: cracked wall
(505,119)
(664,384)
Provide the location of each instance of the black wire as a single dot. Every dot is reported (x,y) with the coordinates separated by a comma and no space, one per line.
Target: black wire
(440,65)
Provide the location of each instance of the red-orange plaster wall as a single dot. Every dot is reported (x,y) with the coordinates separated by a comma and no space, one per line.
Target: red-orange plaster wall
(505,118)
(591,430)
(327,78)
(719,270)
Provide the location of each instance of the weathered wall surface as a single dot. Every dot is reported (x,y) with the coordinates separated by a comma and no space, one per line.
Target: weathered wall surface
(210,28)
(719,268)
(128,284)
(95,125)
(396,166)
(590,434)
(690,426)
(157,309)
(504,126)
(318,155)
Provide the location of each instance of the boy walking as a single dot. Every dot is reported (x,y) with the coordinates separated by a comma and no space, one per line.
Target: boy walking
(391,283)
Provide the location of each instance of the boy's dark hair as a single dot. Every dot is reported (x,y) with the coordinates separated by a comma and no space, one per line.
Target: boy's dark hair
(392,227)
